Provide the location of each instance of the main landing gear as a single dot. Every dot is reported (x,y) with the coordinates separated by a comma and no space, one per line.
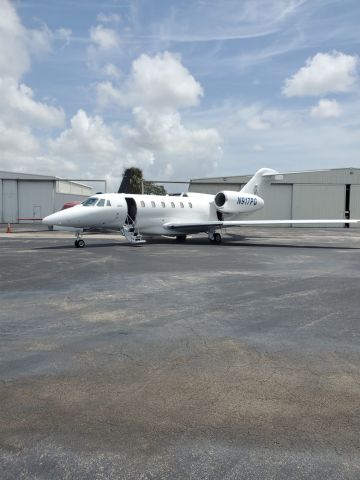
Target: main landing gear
(214,237)
(181,238)
(79,242)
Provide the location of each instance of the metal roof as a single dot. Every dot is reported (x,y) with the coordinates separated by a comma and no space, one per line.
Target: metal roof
(5,175)
(334,175)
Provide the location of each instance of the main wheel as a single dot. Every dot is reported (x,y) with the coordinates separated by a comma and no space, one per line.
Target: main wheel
(217,238)
(80,243)
(180,238)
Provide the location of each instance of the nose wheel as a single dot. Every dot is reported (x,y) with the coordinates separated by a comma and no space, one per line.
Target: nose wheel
(79,242)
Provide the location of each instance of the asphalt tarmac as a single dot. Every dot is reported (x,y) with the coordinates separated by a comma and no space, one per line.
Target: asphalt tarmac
(180,361)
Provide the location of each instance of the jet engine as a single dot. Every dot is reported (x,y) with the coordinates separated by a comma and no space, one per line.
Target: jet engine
(237,202)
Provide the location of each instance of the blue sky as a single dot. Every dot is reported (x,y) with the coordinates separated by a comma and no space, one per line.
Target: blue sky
(182,89)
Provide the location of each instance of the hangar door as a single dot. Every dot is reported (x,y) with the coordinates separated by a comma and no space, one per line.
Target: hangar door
(10,201)
(35,200)
(318,201)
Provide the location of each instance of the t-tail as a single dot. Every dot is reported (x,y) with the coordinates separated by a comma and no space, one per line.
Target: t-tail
(260,178)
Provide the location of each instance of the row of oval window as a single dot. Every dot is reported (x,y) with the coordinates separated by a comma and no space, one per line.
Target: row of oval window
(153,204)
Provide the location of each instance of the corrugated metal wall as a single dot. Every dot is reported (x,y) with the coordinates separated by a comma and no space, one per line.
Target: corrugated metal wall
(10,202)
(318,202)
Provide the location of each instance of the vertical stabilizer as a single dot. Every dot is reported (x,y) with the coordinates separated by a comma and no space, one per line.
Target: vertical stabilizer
(261,177)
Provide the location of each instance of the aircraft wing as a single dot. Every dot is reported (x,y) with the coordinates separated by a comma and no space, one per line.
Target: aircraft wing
(203,226)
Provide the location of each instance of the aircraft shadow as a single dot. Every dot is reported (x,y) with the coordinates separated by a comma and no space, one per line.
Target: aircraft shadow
(203,242)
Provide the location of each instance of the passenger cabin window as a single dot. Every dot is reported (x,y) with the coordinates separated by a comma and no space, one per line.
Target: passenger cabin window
(101,203)
(108,203)
(163,204)
(142,203)
(153,204)
(181,205)
(190,204)
(90,202)
(172,205)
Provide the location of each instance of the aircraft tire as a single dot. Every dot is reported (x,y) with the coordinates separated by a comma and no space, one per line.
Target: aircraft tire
(76,243)
(217,238)
(181,238)
(81,243)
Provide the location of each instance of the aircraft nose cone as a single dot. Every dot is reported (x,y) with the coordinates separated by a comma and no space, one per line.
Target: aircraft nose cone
(48,220)
(54,219)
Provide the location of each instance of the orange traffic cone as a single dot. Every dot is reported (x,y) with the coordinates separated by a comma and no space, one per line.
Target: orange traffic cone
(8,228)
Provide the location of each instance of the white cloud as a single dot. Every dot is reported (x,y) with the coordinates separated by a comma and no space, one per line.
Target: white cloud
(18,105)
(111,70)
(104,38)
(40,41)
(86,136)
(96,149)
(257,123)
(17,143)
(322,74)
(326,109)
(63,34)
(156,88)
(14,54)
(165,132)
(160,81)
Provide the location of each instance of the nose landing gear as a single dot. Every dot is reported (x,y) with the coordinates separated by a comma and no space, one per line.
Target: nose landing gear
(79,242)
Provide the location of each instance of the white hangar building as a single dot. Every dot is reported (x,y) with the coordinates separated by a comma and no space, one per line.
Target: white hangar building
(28,198)
(312,194)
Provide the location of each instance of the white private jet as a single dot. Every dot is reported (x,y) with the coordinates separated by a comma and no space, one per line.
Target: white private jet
(189,213)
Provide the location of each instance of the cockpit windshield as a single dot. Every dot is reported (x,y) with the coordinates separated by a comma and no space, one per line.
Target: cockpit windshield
(90,202)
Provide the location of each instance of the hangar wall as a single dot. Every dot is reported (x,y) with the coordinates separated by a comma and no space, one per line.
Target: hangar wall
(28,198)
(314,194)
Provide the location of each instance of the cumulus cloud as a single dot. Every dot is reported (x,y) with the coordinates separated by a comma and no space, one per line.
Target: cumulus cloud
(86,135)
(156,88)
(17,105)
(90,143)
(104,38)
(326,109)
(165,132)
(158,81)
(14,54)
(322,74)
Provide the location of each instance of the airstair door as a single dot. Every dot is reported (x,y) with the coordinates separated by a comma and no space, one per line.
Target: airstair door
(131,211)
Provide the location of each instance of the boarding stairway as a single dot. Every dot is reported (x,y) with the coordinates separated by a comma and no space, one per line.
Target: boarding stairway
(129,232)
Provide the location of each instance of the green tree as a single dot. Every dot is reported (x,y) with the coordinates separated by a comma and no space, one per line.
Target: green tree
(133,182)
(151,188)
